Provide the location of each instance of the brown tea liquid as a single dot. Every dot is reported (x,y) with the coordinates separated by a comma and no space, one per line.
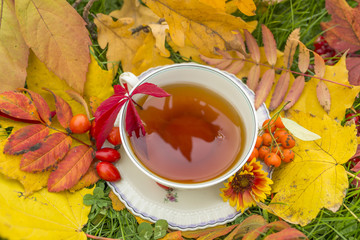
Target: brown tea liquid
(192,136)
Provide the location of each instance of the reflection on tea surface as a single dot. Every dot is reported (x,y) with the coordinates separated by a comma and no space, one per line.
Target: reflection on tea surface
(192,136)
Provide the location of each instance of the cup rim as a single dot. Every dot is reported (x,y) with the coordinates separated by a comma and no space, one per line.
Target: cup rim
(231,78)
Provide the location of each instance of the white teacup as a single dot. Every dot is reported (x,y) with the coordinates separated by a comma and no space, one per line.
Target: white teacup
(224,84)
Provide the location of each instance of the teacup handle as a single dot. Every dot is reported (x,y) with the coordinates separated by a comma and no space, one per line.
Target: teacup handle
(129,78)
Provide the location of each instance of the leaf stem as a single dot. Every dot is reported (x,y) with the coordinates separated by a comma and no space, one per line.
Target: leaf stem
(351,212)
(299,73)
(353,175)
(141,108)
(100,238)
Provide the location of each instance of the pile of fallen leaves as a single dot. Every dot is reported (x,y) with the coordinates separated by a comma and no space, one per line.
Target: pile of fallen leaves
(50,55)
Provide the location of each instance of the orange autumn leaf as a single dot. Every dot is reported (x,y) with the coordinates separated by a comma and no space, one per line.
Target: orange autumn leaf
(69,171)
(269,45)
(17,105)
(13,50)
(278,226)
(24,139)
(252,46)
(290,47)
(43,26)
(63,111)
(280,91)
(264,87)
(304,58)
(247,225)
(173,236)
(51,150)
(287,233)
(90,178)
(201,232)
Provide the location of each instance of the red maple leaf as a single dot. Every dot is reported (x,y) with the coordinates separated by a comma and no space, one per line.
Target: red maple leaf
(108,110)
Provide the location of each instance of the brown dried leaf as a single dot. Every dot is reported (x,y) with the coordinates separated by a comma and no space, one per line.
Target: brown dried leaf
(77,97)
(304,58)
(51,150)
(264,87)
(290,47)
(295,92)
(253,77)
(319,65)
(90,178)
(69,171)
(353,65)
(280,91)
(63,110)
(241,45)
(212,61)
(24,139)
(252,46)
(235,66)
(41,105)
(269,45)
(323,96)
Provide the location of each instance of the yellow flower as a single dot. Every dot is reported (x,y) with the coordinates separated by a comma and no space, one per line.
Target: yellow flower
(248,185)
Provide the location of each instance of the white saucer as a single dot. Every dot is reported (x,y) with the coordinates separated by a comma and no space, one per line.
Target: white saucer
(182,209)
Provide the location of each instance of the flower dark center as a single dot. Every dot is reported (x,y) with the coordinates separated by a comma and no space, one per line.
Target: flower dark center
(240,183)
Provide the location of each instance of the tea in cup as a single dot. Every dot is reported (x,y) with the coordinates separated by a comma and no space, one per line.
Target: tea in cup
(198,136)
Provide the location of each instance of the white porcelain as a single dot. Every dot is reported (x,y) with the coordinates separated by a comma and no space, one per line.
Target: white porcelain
(183,209)
(223,83)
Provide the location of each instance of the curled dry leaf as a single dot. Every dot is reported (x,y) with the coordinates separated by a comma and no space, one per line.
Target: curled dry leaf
(323,95)
(290,47)
(17,105)
(304,58)
(51,150)
(159,32)
(269,45)
(280,91)
(241,43)
(253,77)
(319,65)
(41,105)
(70,170)
(24,139)
(264,87)
(295,92)
(252,46)
(63,110)
(77,97)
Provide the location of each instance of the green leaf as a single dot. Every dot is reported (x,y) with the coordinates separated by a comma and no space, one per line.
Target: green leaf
(160,228)
(145,230)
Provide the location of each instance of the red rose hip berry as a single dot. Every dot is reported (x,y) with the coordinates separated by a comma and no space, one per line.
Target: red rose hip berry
(79,124)
(114,136)
(107,155)
(108,172)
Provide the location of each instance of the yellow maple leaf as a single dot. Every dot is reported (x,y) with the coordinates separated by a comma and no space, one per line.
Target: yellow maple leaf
(13,49)
(247,7)
(315,179)
(341,97)
(147,56)
(122,45)
(218,4)
(138,12)
(203,25)
(62,43)
(44,215)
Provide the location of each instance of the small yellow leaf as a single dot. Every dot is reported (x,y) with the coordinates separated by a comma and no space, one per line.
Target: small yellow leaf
(135,10)
(10,164)
(122,45)
(43,215)
(315,179)
(203,25)
(159,32)
(13,50)
(341,97)
(62,43)
(148,56)
(247,7)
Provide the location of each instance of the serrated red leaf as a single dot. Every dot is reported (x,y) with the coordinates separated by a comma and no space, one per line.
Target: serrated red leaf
(253,77)
(17,105)
(218,233)
(269,45)
(119,90)
(25,139)
(70,170)
(286,234)
(247,225)
(41,106)
(90,177)
(278,226)
(264,87)
(18,119)
(63,110)
(252,46)
(133,121)
(51,150)
(280,91)
(295,92)
(150,89)
(353,66)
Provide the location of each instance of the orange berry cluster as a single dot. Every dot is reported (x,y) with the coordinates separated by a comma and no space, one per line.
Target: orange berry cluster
(274,143)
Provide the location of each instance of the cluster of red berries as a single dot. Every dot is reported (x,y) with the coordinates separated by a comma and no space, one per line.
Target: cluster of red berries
(106,170)
(322,47)
(274,143)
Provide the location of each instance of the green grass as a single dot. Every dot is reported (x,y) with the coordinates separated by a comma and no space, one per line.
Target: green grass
(281,19)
